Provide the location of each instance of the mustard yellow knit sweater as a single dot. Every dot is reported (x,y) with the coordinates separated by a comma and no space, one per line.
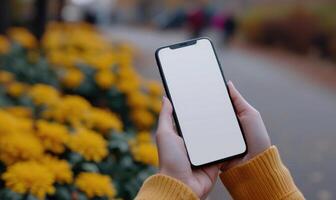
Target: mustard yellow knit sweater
(263,177)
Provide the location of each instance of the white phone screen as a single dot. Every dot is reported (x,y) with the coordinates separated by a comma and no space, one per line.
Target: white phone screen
(201,101)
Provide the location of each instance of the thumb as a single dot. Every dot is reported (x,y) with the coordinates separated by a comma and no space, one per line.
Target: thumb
(239,102)
(165,119)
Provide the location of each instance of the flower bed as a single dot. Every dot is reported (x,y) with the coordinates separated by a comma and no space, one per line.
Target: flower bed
(301,29)
(75,117)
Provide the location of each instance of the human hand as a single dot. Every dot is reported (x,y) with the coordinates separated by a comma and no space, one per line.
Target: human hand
(256,135)
(173,157)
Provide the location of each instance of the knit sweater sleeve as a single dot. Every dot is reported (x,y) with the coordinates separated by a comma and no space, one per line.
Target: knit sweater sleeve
(159,187)
(263,177)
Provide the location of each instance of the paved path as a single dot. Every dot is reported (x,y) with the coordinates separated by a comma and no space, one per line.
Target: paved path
(299,114)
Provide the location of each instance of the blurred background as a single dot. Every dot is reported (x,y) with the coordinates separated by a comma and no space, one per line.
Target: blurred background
(80,91)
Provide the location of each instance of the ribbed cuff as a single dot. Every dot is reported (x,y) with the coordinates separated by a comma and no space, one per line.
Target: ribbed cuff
(263,177)
(161,187)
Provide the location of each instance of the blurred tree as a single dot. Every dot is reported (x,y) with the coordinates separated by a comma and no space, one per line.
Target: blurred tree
(40,17)
(60,6)
(5,15)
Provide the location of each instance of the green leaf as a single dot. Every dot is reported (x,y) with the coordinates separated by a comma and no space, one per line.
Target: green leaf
(75,158)
(62,193)
(89,167)
(8,194)
(30,197)
(81,196)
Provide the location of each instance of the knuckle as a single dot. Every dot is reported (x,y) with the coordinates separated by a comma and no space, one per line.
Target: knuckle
(255,112)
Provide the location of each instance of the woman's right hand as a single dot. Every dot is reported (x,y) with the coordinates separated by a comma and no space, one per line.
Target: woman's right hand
(253,126)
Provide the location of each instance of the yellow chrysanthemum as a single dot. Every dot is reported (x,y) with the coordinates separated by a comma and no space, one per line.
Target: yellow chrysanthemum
(128,73)
(137,100)
(104,79)
(61,169)
(145,152)
(4,45)
(8,123)
(53,136)
(71,109)
(19,147)
(25,125)
(89,144)
(143,136)
(14,124)
(6,77)
(95,185)
(16,89)
(128,86)
(142,118)
(103,120)
(29,177)
(155,104)
(101,61)
(23,37)
(19,111)
(72,78)
(43,94)
(154,88)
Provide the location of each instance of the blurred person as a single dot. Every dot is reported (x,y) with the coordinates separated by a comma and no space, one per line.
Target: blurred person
(229,28)
(196,21)
(227,24)
(260,174)
(198,18)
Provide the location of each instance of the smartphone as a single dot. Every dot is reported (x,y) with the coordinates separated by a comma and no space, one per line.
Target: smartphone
(203,111)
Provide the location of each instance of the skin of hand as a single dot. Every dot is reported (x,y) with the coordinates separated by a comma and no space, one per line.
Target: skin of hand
(255,132)
(173,157)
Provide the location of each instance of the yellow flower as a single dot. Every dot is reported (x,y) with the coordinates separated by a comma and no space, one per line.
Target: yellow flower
(89,144)
(29,177)
(16,89)
(70,109)
(128,86)
(145,152)
(102,61)
(23,37)
(19,111)
(6,77)
(154,88)
(58,58)
(19,147)
(142,118)
(14,123)
(8,124)
(127,73)
(104,79)
(61,169)
(4,45)
(53,136)
(137,100)
(72,78)
(143,136)
(103,120)
(155,104)
(95,185)
(25,125)
(43,94)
